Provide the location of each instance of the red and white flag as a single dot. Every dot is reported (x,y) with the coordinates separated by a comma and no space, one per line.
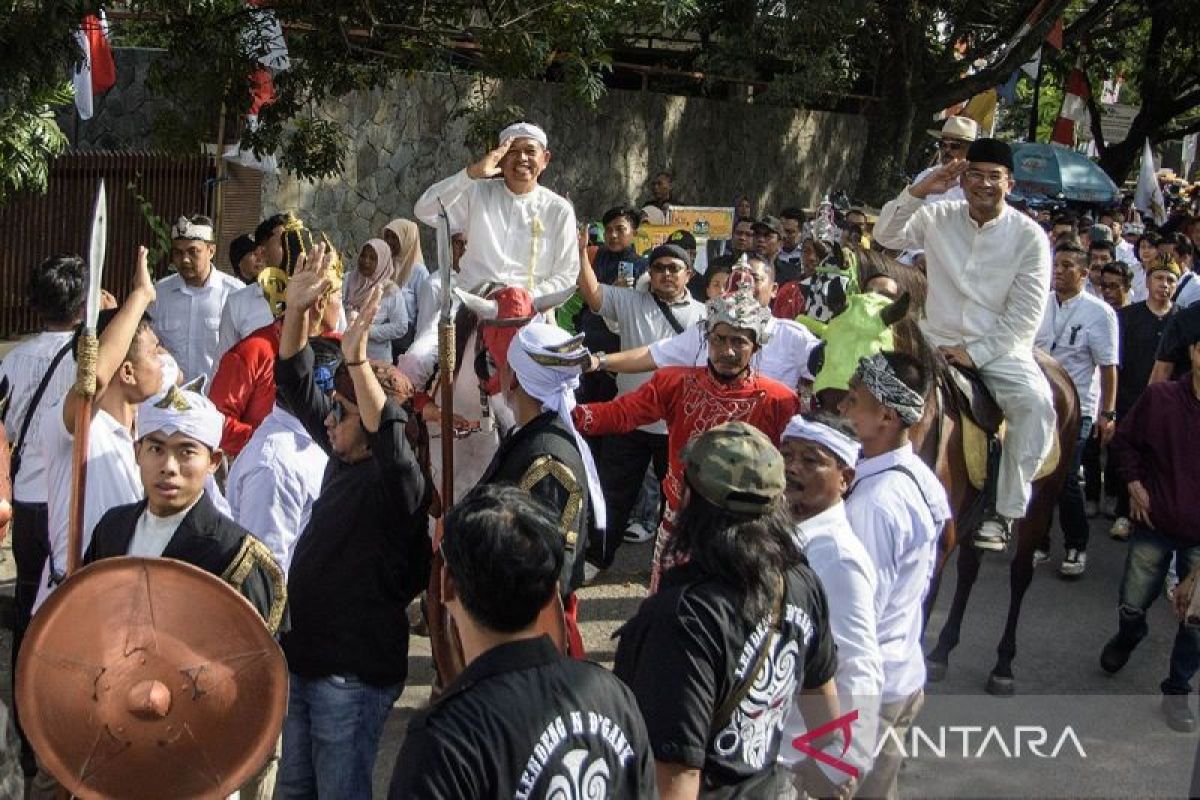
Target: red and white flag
(1074,108)
(97,73)
(269,60)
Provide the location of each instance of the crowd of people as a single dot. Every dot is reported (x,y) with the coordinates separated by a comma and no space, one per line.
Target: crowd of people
(272,422)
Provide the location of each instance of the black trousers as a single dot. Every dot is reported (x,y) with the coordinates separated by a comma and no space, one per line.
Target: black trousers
(622,467)
(31,548)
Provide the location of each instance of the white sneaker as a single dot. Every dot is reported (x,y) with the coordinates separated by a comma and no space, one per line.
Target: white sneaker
(636,533)
(1074,564)
(993,534)
(1040,557)
(1121,529)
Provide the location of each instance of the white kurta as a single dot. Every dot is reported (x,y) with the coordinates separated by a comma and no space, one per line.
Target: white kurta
(848,576)
(246,310)
(188,320)
(783,358)
(24,367)
(527,240)
(899,520)
(988,285)
(274,482)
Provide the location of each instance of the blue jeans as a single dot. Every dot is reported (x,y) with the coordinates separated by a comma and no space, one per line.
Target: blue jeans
(1150,554)
(648,510)
(1072,517)
(330,737)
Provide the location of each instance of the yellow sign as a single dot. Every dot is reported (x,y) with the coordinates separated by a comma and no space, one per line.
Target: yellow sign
(703,222)
(649,237)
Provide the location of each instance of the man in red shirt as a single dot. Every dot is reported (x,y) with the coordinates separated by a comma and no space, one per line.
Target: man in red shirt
(692,400)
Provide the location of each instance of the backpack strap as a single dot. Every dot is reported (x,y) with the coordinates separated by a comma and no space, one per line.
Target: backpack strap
(725,711)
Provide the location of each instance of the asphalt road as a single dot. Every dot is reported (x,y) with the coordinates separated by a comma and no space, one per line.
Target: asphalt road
(1099,735)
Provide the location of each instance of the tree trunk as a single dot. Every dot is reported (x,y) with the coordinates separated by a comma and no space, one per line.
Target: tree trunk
(1119,159)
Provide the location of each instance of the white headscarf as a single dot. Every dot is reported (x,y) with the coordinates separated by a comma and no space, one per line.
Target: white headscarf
(182,411)
(841,445)
(553,384)
(525,130)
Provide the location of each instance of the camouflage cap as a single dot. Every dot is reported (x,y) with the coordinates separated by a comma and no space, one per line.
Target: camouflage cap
(735,467)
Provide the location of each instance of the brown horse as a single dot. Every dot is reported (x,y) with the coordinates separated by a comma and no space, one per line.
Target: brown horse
(938,440)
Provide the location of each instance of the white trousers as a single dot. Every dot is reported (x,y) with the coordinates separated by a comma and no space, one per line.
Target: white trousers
(1023,394)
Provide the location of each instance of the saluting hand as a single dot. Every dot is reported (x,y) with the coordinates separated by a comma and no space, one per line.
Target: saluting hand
(489,165)
(941,180)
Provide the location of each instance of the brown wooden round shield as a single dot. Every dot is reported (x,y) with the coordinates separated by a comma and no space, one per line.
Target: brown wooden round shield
(150,678)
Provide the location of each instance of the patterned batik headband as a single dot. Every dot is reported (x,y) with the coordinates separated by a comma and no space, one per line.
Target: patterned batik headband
(875,373)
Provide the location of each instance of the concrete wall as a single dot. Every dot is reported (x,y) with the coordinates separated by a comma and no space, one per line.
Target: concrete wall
(404,139)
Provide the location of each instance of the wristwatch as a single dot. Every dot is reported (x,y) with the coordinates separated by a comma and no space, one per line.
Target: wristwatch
(601,360)
(1111,416)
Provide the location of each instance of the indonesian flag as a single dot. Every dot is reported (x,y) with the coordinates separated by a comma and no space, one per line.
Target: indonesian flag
(268,61)
(1148,197)
(97,73)
(1074,108)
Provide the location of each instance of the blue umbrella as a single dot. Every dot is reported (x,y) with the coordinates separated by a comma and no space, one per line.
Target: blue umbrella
(1061,173)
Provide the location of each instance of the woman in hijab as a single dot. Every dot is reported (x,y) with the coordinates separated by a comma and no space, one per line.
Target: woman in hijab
(404,239)
(375,268)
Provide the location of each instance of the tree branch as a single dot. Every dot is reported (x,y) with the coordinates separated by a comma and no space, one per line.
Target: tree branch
(1086,22)
(1177,133)
(956,91)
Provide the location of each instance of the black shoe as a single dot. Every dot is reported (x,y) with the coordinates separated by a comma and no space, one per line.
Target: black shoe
(1115,655)
(1177,709)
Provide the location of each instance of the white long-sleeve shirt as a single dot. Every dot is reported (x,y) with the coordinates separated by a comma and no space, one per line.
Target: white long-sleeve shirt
(24,367)
(274,482)
(848,575)
(527,240)
(898,520)
(987,283)
(246,310)
(188,319)
(421,359)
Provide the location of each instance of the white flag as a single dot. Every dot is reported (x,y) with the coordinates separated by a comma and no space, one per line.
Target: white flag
(1148,197)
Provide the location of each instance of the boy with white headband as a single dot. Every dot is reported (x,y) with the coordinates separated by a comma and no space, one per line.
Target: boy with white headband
(545,455)
(187,312)
(179,448)
(820,454)
(897,508)
(521,233)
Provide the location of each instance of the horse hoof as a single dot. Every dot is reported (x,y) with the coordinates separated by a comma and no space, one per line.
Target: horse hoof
(935,671)
(998,686)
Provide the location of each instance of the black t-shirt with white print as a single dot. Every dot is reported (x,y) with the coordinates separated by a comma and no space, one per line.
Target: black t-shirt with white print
(524,721)
(689,647)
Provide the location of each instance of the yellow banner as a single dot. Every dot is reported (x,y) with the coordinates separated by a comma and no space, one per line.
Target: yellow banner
(649,237)
(703,221)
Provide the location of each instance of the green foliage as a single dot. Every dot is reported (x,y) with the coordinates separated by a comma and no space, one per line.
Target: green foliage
(29,139)
(160,250)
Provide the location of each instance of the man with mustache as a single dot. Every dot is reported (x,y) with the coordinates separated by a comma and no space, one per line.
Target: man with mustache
(692,400)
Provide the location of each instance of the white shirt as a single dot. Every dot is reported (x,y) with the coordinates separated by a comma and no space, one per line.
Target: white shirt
(784,357)
(188,320)
(246,310)
(953,193)
(275,481)
(1188,290)
(987,283)
(1140,291)
(643,322)
(1126,253)
(391,321)
(1081,334)
(24,367)
(848,576)
(113,480)
(153,533)
(420,361)
(899,522)
(526,240)
(417,278)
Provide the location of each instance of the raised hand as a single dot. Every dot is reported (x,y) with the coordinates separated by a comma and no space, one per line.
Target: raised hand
(354,340)
(942,179)
(310,280)
(142,282)
(489,165)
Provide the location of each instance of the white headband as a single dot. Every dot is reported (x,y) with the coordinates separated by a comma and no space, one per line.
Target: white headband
(842,446)
(182,411)
(186,229)
(525,130)
(531,354)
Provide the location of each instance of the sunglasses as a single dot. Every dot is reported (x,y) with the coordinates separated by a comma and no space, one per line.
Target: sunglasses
(668,267)
(953,146)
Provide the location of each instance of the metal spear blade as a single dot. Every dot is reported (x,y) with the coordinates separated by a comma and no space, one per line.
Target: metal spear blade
(99,242)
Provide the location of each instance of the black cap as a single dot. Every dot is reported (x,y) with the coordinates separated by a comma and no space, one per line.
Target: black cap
(682,238)
(769,223)
(670,251)
(239,248)
(991,151)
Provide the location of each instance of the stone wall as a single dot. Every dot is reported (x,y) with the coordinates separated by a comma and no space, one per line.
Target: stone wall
(404,139)
(123,115)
